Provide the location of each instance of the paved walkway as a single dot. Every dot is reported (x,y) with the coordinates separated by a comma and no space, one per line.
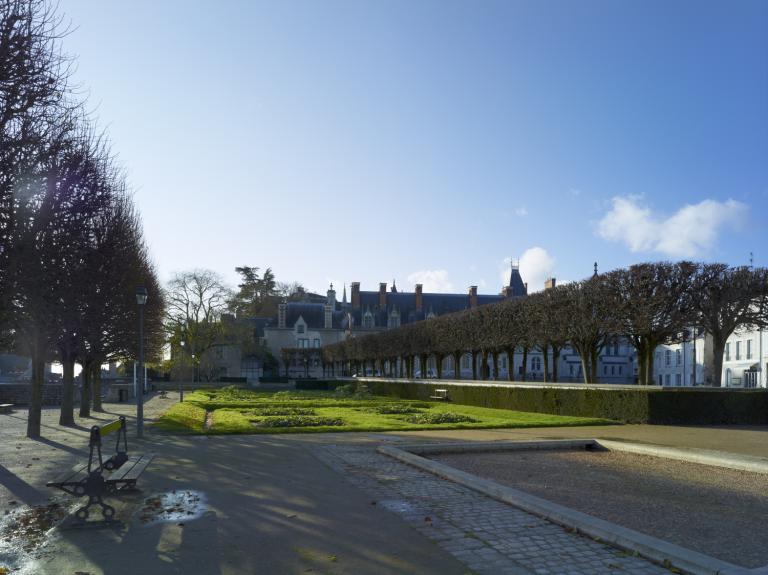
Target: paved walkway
(315,503)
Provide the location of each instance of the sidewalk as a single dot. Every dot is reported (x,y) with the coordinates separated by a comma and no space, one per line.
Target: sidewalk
(311,503)
(272,508)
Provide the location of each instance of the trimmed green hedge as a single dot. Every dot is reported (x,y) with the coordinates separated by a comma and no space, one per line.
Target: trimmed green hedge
(658,406)
(273,379)
(319,384)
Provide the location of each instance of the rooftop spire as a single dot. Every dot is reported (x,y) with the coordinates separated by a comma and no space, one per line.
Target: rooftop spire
(595,270)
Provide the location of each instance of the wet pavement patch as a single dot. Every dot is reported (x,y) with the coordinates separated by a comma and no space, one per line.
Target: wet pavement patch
(25,530)
(174,506)
(396,505)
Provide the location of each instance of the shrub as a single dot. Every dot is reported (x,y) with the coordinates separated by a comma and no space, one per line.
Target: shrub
(444,417)
(286,410)
(344,390)
(394,408)
(298,421)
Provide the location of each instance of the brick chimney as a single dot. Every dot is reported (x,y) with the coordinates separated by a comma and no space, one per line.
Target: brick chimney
(472,296)
(419,298)
(383,295)
(355,295)
(549,283)
(281,315)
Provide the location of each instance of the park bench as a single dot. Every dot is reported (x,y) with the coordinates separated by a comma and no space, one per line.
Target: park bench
(100,477)
(440,394)
(6,407)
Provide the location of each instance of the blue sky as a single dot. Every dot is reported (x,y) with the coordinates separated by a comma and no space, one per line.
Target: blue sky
(431,141)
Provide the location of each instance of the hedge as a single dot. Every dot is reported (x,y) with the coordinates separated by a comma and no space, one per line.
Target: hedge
(642,405)
(319,384)
(233,379)
(273,379)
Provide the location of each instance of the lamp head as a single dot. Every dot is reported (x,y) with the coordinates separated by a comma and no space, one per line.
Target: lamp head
(141,295)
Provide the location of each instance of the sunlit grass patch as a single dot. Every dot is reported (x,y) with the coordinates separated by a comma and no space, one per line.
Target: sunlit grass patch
(319,411)
(183,418)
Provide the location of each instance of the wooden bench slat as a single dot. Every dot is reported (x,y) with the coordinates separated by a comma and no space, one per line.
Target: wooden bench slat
(131,469)
(110,427)
(68,477)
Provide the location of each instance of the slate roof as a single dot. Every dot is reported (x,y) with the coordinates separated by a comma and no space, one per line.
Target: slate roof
(405,304)
(313,315)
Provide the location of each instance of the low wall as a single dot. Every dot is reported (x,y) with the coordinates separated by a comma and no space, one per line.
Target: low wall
(626,403)
(20,393)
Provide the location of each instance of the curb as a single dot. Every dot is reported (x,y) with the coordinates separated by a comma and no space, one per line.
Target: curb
(703,456)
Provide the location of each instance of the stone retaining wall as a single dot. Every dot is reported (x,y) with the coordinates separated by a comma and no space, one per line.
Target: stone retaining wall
(19,393)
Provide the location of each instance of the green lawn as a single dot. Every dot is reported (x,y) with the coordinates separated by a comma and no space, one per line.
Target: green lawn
(242,411)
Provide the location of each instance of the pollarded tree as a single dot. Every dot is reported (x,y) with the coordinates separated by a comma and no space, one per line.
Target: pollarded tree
(509,331)
(547,314)
(724,300)
(33,82)
(651,304)
(83,184)
(590,321)
(51,211)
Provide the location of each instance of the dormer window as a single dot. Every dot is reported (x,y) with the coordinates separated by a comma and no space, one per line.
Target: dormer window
(368,320)
(394,319)
(300,328)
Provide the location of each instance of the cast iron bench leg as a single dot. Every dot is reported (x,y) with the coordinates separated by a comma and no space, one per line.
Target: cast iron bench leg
(107,511)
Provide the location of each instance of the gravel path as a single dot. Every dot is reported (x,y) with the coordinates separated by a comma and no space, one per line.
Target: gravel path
(490,537)
(718,512)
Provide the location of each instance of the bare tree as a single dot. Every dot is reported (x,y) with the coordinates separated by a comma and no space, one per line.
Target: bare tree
(726,299)
(651,304)
(195,301)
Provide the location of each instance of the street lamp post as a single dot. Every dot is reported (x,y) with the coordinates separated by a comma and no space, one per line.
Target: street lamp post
(183,371)
(141,300)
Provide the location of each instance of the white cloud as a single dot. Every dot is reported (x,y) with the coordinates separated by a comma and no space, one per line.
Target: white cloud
(693,229)
(536,265)
(434,281)
(575,192)
(522,211)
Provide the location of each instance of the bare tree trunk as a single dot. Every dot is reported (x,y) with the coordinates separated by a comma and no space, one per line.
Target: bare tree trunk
(511,364)
(545,357)
(457,365)
(97,387)
(555,361)
(36,399)
(718,349)
(525,363)
(642,362)
(439,364)
(649,372)
(474,364)
(85,390)
(593,359)
(585,368)
(495,358)
(67,412)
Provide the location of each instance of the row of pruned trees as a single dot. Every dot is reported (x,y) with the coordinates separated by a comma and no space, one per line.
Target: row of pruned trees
(647,304)
(71,245)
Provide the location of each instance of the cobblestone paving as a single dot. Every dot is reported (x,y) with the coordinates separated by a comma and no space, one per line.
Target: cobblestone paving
(489,536)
